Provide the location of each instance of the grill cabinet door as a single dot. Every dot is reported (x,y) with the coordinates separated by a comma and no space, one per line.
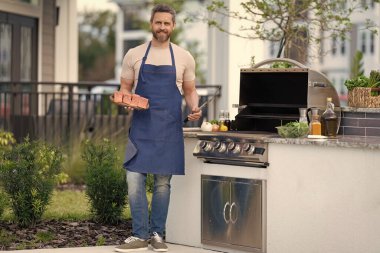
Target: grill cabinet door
(246,213)
(215,210)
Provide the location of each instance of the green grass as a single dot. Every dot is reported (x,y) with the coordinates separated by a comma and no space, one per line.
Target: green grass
(67,205)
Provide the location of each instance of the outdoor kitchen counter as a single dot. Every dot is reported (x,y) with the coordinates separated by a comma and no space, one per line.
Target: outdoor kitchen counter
(322,195)
(340,141)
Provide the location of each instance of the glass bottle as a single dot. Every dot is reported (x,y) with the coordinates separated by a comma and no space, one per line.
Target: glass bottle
(315,124)
(227,121)
(329,120)
(221,120)
(303,117)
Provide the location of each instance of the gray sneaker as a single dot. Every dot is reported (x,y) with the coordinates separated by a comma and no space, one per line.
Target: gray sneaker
(158,243)
(133,244)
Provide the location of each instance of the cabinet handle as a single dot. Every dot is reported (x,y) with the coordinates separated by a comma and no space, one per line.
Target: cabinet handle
(233,220)
(224,212)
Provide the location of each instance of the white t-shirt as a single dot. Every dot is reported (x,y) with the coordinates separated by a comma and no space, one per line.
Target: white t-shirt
(184,62)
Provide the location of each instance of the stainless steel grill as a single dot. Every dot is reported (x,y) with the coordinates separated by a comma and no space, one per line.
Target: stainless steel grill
(268,98)
(232,148)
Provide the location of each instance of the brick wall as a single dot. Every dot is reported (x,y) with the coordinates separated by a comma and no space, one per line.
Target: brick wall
(360,122)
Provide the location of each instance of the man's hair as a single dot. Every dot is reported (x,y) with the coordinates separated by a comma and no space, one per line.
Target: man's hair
(163,8)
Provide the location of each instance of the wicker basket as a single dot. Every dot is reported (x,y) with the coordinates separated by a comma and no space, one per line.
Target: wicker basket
(362,97)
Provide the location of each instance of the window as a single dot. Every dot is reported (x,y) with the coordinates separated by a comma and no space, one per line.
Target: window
(128,44)
(372,43)
(5,52)
(132,21)
(343,47)
(333,46)
(32,2)
(272,49)
(363,42)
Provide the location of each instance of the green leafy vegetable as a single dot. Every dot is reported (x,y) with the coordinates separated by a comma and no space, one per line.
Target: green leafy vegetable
(293,129)
(374,79)
(360,81)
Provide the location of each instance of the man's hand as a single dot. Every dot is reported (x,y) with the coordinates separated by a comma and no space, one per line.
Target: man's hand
(196,113)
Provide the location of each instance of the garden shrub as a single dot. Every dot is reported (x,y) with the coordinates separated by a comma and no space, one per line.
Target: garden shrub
(106,185)
(3,202)
(6,141)
(28,173)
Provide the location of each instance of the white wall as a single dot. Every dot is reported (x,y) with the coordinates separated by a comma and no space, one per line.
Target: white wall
(227,55)
(66,42)
(323,199)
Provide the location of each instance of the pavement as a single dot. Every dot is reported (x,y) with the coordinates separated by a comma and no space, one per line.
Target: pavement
(173,248)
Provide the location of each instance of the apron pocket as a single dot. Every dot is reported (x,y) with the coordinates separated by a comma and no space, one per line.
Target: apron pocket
(131,151)
(155,124)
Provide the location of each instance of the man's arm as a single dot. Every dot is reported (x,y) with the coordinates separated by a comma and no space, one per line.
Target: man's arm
(126,85)
(192,99)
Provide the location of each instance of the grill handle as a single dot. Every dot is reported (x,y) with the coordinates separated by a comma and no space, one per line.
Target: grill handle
(296,63)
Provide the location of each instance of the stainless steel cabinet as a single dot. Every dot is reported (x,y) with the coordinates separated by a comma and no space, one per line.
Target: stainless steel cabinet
(233,213)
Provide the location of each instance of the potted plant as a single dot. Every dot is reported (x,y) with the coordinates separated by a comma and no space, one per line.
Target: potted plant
(363,91)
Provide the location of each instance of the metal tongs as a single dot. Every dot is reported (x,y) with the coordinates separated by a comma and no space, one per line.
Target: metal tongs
(202,106)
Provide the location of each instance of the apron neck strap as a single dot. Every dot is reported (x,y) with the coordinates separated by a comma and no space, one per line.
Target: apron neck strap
(147,51)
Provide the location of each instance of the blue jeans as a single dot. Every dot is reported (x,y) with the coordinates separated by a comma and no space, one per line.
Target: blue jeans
(138,204)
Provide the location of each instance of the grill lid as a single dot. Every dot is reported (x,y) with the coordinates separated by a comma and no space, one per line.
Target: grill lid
(272,96)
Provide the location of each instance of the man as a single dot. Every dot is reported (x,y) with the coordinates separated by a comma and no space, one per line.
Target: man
(159,70)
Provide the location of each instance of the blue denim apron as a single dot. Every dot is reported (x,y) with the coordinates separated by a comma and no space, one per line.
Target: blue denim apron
(155,142)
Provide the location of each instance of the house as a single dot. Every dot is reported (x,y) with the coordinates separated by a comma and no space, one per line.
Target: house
(38,40)
(38,49)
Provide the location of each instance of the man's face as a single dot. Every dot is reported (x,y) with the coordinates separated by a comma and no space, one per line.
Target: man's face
(162,26)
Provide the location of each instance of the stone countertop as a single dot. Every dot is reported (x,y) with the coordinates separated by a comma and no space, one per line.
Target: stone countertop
(372,143)
(356,109)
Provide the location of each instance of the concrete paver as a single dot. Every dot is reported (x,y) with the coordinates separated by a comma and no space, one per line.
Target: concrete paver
(173,248)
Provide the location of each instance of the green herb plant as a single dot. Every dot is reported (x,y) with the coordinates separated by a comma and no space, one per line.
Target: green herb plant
(373,81)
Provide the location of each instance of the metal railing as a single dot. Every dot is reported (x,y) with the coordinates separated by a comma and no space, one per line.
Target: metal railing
(58,112)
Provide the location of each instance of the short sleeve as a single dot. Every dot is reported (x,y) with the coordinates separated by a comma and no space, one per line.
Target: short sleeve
(189,73)
(127,71)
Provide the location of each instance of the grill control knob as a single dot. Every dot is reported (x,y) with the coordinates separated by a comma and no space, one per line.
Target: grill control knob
(234,148)
(220,146)
(249,148)
(206,146)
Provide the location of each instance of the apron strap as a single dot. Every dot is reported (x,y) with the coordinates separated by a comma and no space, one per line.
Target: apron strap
(143,61)
(146,55)
(172,54)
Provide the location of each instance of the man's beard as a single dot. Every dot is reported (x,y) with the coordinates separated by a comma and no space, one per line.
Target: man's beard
(162,36)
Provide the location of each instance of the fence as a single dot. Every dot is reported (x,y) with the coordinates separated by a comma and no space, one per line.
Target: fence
(61,112)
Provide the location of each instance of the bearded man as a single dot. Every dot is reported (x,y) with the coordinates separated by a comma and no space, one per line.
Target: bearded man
(162,72)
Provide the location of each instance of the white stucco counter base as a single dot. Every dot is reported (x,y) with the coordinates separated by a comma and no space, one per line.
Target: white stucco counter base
(323,199)
(319,199)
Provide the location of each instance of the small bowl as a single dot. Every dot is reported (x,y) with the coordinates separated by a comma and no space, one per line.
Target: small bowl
(293,131)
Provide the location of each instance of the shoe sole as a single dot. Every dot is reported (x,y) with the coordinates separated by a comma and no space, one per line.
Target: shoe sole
(131,250)
(159,250)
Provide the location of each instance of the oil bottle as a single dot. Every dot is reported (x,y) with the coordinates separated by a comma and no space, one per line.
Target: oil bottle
(329,120)
(315,124)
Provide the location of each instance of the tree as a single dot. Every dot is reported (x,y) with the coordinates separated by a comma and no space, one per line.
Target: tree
(96,45)
(292,24)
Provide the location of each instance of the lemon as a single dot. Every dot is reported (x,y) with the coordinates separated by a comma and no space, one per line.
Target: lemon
(223,128)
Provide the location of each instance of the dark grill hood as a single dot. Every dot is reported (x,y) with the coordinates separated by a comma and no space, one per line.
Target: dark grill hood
(271,97)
